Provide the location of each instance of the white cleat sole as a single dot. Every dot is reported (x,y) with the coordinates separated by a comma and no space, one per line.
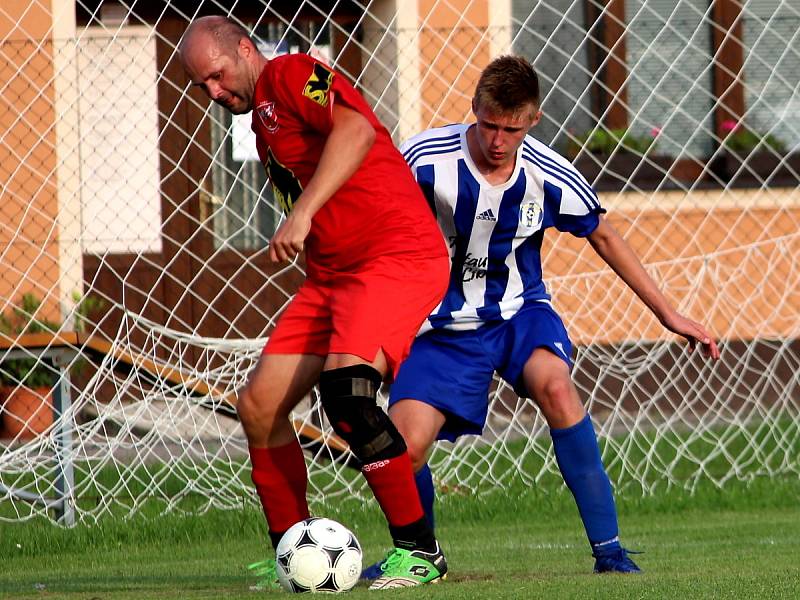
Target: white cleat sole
(388,583)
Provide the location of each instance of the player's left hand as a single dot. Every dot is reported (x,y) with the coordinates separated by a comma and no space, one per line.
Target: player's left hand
(694,333)
(290,238)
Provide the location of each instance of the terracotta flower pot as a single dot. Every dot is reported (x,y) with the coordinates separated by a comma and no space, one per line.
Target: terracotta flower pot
(26,412)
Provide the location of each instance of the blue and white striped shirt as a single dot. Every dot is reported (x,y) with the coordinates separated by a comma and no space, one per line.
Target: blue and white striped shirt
(495,232)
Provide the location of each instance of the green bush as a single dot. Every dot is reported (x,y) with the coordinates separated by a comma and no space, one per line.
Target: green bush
(742,140)
(24,319)
(605,142)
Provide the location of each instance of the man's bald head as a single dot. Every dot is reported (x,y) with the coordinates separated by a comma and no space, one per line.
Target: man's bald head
(224,33)
(220,58)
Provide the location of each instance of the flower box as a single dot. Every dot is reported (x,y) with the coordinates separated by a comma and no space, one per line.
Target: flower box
(757,169)
(624,170)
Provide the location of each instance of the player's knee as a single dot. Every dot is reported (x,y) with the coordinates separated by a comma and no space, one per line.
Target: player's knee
(418,453)
(245,406)
(557,399)
(557,390)
(256,410)
(417,444)
(348,398)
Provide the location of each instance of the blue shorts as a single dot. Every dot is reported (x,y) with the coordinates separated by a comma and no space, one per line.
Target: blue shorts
(452,370)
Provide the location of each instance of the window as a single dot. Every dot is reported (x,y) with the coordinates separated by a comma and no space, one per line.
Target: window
(245,215)
(119,170)
(553,36)
(772,70)
(669,84)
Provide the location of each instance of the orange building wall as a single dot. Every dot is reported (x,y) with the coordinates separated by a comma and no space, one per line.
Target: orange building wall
(734,270)
(28,202)
(453,52)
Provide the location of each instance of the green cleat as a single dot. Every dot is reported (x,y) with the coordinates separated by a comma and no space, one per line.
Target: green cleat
(406,568)
(267,576)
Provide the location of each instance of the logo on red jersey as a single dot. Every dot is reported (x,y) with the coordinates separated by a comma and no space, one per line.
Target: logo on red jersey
(285,184)
(318,86)
(266,112)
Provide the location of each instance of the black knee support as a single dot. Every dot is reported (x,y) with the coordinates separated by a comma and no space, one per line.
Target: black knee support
(348,398)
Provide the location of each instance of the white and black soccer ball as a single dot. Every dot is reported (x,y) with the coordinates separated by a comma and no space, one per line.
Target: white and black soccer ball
(318,555)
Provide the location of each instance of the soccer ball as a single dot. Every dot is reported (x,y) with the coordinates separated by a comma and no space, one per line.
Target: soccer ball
(318,555)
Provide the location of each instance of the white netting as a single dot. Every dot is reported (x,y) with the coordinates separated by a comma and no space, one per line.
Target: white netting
(135,214)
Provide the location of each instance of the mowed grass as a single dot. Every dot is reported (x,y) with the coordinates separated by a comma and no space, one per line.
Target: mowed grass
(741,542)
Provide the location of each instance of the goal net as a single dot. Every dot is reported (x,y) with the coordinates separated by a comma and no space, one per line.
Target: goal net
(136,222)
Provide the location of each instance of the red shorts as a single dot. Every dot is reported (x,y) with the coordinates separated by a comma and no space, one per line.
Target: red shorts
(378,307)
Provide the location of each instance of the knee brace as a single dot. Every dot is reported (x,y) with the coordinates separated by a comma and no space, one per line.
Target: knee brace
(348,399)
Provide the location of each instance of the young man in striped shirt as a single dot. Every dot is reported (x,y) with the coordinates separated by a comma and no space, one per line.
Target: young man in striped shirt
(495,190)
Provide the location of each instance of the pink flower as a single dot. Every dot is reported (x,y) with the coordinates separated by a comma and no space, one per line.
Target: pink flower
(728,126)
(655,132)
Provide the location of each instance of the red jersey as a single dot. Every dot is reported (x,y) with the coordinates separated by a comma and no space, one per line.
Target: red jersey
(380,210)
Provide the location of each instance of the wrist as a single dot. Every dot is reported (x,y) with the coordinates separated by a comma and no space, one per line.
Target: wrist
(304,208)
(299,212)
(666,316)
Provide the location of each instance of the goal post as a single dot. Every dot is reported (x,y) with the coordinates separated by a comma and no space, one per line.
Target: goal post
(138,214)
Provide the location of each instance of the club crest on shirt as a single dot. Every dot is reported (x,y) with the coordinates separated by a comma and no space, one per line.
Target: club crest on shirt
(530,215)
(318,86)
(266,112)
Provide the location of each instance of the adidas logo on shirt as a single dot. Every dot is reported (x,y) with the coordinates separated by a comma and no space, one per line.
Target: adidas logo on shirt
(486,215)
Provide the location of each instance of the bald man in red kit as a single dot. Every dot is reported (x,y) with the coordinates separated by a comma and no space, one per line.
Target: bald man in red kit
(376,266)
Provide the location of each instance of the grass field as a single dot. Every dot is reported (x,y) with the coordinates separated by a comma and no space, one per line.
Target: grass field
(742,542)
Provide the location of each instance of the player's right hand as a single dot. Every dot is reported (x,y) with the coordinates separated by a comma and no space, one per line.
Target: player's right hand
(695,334)
(290,237)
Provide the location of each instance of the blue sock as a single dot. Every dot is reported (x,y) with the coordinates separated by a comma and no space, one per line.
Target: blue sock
(578,457)
(424,480)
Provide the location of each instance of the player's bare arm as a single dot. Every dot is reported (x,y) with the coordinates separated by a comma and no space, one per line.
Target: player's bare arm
(347,145)
(616,252)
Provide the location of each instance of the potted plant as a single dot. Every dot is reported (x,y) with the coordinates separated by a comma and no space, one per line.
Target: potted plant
(749,158)
(610,158)
(27,383)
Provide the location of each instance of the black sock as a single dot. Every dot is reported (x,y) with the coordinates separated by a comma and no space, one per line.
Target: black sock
(414,536)
(275,537)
